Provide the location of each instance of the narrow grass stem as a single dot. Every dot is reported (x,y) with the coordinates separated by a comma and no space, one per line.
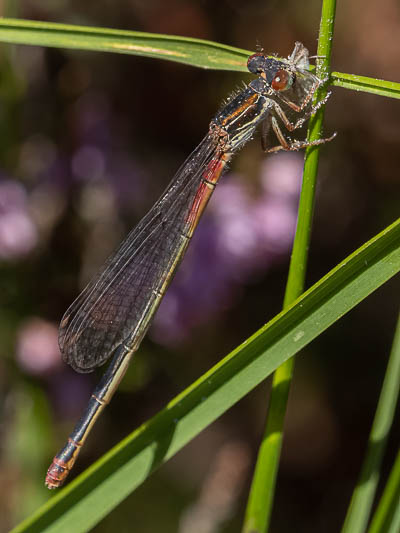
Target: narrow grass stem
(259,506)
(387,515)
(363,496)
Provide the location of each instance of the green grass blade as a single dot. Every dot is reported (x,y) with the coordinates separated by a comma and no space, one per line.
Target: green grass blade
(387,515)
(196,52)
(364,493)
(354,82)
(259,506)
(85,501)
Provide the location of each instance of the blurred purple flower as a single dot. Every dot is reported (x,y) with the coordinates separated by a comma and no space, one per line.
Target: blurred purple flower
(88,163)
(18,233)
(38,354)
(275,221)
(91,116)
(239,238)
(37,155)
(69,391)
(97,158)
(281,175)
(37,347)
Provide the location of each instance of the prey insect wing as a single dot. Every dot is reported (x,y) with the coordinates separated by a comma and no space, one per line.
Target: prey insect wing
(300,56)
(300,94)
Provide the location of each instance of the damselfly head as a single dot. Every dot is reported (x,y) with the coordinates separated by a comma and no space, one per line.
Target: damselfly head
(289,78)
(275,73)
(265,66)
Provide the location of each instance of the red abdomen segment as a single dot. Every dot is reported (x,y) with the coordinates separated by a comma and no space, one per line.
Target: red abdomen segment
(59,469)
(210,178)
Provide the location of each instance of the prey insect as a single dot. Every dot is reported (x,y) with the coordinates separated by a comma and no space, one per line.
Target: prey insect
(113,313)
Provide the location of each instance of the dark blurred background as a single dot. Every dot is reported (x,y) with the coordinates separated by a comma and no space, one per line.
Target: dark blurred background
(88,142)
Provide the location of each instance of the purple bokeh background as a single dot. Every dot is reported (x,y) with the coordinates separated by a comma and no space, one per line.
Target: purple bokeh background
(89,142)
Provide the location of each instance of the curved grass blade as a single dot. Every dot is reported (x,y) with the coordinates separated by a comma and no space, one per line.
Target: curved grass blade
(190,51)
(195,52)
(85,501)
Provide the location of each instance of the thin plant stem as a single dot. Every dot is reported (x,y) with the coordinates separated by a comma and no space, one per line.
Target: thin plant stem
(387,514)
(363,496)
(259,506)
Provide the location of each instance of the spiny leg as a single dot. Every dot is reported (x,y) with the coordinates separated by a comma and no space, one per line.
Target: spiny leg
(289,125)
(283,143)
(292,145)
(299,145)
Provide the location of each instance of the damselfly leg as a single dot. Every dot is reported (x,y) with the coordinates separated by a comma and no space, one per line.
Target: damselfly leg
(291,90)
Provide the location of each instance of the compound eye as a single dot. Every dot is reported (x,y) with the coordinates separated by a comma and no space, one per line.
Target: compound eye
(281,81)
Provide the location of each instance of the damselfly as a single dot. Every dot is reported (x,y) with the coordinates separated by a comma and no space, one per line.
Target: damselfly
(113,313)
